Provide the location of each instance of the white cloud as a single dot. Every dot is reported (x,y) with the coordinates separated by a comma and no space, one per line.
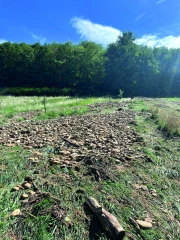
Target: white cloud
(105,35)
(3,41)
(160,1)
(155,41)
(36,37)
(139,17)
(95,32)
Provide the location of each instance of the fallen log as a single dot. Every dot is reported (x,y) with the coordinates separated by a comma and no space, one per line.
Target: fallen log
(109,222)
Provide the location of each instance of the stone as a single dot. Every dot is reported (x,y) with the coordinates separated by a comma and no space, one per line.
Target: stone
(31,193)
(164,211)
(56,162)
(144,224)
(40,154)
(136,186)
(116,150)
(10,145)
(25,201)
(15,189)
(26,185)
(120,168)
(16,212)
(130,158)
(67,162)
(154,194)
(144,188)
(24,196)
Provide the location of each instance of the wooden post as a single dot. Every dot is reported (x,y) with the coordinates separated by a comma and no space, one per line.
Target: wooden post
(44,103)
(108,221)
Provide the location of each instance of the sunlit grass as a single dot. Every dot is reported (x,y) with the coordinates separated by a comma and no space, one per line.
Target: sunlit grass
(55,106)
(172,99)
(25,104)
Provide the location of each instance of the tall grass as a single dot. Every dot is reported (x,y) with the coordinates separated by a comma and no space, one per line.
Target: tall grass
(168,120)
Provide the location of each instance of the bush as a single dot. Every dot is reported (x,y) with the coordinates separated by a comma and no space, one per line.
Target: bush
(37,91)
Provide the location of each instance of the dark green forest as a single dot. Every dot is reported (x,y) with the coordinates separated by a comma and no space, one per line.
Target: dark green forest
(89,69)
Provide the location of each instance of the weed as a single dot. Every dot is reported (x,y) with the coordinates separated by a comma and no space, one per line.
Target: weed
(120,93)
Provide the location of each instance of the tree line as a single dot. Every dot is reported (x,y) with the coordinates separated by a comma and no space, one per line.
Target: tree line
(88,68)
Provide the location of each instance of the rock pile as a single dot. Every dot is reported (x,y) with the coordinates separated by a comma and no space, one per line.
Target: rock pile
(104,134)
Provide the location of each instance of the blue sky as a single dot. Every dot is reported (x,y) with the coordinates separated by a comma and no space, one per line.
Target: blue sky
(155,22)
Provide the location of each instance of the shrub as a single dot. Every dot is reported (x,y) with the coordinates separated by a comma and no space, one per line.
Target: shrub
(120,93)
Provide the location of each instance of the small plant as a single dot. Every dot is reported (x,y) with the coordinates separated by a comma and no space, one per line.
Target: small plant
(44,103)
(0,105)
(76,100)
(120,95)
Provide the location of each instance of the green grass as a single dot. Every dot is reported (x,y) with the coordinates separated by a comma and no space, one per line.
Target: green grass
(172,99)
(55,107)
(138,105)
(62,113)
(12,105)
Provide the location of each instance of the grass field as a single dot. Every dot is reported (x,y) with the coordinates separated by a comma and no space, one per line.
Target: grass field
(140,181)
(54,106)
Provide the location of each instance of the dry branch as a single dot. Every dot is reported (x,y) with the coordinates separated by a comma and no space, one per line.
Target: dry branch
(70,142)
(108,221)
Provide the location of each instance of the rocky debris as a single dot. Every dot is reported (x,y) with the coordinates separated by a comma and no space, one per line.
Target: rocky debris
(144,224)
(76,136)
(24,196)
(16,212)
(144,188)
(153,192)
(15,189)
(26,185)
(3,167)
(95,143)
(31,193)
(141,187)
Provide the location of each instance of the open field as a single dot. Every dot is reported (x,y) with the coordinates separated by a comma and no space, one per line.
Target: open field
(124,153)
